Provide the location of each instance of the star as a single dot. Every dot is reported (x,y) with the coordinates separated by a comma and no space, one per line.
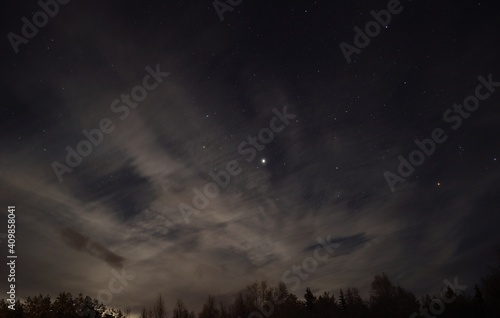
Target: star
(263,160)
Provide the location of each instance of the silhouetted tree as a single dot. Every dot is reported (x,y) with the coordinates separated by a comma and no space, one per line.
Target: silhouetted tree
(478,303)
(260,300)
(87,307)
(64,306)
(326,306)
(310,299)
(37,307)
(224,313)
(355,305)
(159,309)
(342,301)
(387,300)
(181,311)
(239,307)
(144,313)
(491,290)
(209,309)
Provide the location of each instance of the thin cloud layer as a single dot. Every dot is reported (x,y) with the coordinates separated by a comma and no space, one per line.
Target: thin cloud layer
(322,176)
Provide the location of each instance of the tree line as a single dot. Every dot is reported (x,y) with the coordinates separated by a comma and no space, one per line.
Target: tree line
(258,300)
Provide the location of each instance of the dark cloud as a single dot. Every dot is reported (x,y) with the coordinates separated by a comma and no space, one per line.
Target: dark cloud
(84,244)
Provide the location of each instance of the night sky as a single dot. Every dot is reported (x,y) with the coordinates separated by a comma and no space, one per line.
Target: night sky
(200,150)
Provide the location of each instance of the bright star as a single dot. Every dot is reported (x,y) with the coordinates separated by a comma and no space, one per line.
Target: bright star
(263,160)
